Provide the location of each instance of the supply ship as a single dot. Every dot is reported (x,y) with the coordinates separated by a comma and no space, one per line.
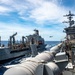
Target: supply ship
(22,48)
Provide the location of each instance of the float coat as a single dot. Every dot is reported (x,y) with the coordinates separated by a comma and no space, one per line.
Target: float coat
(29,66)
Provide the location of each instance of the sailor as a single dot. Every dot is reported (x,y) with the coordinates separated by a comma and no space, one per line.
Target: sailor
(68,48)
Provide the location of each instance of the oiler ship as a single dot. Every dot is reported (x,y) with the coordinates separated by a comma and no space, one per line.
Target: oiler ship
(14,50)
(60,60)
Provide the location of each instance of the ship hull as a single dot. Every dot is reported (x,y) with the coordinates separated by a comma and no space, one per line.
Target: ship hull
(7,60)
(6,54)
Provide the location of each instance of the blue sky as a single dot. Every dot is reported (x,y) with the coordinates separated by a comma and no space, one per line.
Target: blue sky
(23,16)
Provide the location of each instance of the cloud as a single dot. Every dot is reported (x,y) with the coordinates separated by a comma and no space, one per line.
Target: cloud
(40,12)
(4,10)
(7,30)
(48,11)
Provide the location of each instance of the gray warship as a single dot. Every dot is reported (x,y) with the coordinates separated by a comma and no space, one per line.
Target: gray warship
(69,45)
(22,48)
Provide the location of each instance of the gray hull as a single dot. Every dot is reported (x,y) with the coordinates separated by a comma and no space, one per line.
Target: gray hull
(6,54)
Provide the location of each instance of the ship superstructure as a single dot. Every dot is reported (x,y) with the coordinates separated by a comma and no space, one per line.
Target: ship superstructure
(36,39)
(70,31)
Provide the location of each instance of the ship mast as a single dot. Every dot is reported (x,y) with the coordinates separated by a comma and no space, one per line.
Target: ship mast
(69,16)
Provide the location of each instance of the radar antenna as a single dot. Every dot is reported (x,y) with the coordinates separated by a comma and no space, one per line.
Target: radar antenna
(69,16)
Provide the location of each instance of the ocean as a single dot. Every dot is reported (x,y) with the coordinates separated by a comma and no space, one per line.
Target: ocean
(46,42)
(52,43)
(16,61)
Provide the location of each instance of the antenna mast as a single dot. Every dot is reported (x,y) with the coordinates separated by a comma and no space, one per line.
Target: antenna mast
(69,16)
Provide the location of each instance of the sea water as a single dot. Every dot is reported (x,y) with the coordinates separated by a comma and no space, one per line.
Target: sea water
(46,42)
(16,61)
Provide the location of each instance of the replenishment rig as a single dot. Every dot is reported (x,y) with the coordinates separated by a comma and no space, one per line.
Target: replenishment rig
(18,49)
